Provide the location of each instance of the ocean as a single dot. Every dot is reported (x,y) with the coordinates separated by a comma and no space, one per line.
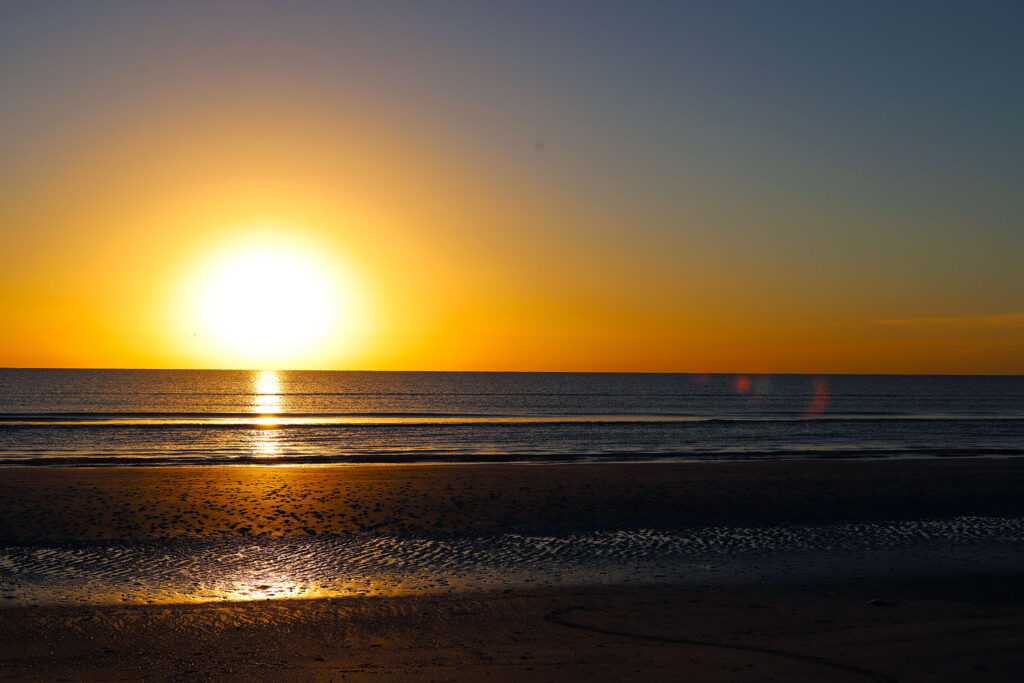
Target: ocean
(188,417)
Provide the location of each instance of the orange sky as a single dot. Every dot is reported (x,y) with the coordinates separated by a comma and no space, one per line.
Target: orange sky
(481,207)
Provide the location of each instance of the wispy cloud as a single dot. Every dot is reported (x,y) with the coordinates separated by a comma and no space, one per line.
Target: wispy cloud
(984,347)
(999,320)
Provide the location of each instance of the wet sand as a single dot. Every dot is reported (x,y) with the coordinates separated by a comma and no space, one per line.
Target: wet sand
(52,504)
(970,628)
(965,630)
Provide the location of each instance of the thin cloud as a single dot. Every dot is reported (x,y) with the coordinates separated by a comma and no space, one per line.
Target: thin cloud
(984,347)
(1001,320)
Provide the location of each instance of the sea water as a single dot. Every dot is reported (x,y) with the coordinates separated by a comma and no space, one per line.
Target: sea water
(184,417)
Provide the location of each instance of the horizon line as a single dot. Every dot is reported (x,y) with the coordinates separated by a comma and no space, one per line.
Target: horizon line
(541,372)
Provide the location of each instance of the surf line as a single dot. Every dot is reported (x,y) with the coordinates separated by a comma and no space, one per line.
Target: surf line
(560,617)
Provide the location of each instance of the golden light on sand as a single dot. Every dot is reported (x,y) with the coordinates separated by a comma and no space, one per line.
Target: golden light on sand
(270,300)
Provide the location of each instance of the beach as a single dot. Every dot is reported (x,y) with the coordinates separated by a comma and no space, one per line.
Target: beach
(575,341)
(965,630)
(40,504)
(910,623)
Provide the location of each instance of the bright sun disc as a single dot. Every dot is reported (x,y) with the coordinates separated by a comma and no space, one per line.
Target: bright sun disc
(268,302)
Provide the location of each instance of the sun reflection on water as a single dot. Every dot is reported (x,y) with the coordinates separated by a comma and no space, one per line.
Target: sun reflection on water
(266,401)
(266,443)
(266,392)
(265,588)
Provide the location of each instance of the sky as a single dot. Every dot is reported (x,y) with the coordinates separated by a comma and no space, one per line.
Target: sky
(644,186)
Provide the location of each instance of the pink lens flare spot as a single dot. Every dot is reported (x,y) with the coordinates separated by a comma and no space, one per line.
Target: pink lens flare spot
(820,397)
(741,384)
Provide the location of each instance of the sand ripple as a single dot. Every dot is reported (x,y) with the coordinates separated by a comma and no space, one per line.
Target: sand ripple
(233,568)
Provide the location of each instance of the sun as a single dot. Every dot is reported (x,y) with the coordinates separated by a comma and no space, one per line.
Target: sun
(269,303)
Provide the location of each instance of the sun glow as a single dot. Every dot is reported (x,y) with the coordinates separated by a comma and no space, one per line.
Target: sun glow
(270,303)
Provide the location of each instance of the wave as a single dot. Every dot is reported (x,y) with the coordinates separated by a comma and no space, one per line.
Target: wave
(320,419)
(180,416)
(442,456)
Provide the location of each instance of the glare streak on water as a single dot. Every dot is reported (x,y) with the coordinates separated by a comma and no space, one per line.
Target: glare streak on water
(233,568)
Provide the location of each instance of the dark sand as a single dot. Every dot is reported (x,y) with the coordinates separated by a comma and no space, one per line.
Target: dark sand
(971,628)
(960,631)
(50,504)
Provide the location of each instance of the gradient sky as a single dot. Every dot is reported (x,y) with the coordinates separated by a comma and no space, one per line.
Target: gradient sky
(672,186)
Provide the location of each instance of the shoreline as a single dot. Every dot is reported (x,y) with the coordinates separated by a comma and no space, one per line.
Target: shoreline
(261,461)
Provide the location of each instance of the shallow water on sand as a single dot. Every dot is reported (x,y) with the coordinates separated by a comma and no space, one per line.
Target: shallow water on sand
(232,568)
